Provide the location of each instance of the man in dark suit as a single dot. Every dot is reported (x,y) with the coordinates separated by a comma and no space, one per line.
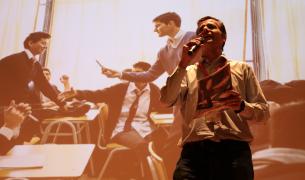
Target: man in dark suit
(13,117)
(20,72)
(119,99)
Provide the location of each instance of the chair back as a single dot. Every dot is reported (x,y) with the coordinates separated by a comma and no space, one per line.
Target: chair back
(156,164)
(102,118)
(112,148)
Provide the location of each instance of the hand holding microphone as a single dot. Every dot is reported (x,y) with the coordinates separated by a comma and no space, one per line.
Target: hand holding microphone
(196,46)
(190,52)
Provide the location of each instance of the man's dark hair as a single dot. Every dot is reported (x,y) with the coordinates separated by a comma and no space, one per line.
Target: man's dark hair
(34,37)
(141,64)
(167,17)
(222,26)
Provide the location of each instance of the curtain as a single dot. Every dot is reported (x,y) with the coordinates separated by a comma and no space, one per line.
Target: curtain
(120,33)
(283,33)
(17,20)
(260,64)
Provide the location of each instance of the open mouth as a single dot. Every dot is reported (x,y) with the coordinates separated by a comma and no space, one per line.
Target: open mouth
(208,38)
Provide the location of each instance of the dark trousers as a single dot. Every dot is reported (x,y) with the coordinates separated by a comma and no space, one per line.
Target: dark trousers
(130,163)
(209,160)
(133,140)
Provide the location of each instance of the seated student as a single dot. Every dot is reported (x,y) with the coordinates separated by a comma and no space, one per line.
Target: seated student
(129,105)
(13,116)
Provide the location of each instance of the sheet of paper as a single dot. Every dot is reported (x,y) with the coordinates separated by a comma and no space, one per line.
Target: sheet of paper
(23,161)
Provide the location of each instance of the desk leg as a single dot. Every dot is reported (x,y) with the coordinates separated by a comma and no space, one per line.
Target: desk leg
(79,135)
(57,130)
(87,129)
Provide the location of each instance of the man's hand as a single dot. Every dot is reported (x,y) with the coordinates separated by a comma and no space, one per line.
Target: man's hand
(229,100)
(15,114)
(64,79)
(187,59)
(66,95)
(110,73)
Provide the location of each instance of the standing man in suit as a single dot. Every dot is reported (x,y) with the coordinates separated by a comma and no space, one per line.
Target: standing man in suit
(13,117)
(20,72)
(169,56)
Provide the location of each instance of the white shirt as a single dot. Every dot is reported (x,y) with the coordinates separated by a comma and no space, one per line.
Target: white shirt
(174,42)
(30,55)
(9,133)
(140,122)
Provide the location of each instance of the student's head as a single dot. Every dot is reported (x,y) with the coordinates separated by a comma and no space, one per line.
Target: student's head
(37,42)
(213,30)
(167,23)
(47,73)
(140,66)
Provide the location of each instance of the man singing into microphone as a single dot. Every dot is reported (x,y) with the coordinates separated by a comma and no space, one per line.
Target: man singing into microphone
(218,97)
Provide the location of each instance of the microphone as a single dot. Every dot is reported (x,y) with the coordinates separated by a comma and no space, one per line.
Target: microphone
(196,46)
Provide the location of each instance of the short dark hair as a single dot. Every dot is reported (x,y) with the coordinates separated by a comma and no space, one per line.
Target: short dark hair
(167,17)
(127,70)
(142,64)
(34,37)
(222,26)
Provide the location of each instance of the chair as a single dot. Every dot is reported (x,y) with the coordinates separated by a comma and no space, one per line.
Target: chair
(76,124)
(113,148)
(57,124)
(279,163)
(156,164)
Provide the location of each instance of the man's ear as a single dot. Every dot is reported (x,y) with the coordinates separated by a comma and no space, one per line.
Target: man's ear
(30,43)
(224,38)
(172,23)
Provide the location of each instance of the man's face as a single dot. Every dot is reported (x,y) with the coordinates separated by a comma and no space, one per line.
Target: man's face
(162,29)
(47,74)
(38,47)
(210,30)
(138,84)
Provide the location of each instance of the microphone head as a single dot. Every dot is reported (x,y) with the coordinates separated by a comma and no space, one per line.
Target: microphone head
(196,46)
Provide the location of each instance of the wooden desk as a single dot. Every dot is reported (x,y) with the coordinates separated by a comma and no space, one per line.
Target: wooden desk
(60,160)
(77,124)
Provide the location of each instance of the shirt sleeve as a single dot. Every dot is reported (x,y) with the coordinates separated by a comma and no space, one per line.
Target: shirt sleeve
(7,132)
(155,71)
(256,106)
(174,86)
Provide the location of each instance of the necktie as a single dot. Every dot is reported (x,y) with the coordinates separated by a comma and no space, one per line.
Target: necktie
(132,110)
